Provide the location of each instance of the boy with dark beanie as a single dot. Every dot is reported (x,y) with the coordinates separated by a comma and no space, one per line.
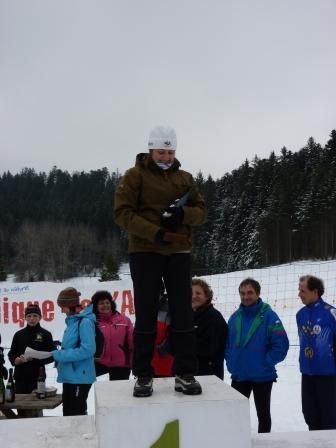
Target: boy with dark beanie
(26,369)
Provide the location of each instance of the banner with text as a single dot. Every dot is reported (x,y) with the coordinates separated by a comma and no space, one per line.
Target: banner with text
(14,297)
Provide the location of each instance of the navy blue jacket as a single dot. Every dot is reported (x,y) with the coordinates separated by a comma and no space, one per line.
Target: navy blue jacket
(257,341)
(317,333)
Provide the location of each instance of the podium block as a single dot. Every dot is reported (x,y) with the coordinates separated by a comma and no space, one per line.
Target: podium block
(220,417)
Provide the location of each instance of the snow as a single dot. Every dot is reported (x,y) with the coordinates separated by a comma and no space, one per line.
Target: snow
(58,432)
(279,288)
(312,439)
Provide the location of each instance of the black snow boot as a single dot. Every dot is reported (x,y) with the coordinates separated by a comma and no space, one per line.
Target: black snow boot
(143,387)
(188,385)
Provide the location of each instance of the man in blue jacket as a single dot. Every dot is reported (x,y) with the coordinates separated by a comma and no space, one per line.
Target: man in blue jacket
(257,341)
(316,323)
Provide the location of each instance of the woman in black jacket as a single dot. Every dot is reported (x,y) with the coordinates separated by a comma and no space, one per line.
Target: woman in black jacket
(211,331)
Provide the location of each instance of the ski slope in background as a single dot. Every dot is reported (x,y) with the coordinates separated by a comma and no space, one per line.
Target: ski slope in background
(279,287)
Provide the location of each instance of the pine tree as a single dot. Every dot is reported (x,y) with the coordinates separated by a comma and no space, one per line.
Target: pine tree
(110,270)
(3,273)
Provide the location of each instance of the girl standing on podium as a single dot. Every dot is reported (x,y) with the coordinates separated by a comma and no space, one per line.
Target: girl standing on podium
(157,203)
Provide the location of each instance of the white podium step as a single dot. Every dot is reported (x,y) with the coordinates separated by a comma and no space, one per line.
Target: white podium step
(220,417)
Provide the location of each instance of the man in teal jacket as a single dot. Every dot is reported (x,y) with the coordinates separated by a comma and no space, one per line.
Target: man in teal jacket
(75,360)
(257,341)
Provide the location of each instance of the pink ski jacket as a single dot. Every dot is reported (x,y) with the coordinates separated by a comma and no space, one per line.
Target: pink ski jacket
(118,339)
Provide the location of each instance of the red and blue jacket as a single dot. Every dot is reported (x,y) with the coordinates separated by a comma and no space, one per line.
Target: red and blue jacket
(317,333)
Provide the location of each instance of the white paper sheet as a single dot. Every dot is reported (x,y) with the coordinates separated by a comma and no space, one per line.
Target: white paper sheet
(36,354)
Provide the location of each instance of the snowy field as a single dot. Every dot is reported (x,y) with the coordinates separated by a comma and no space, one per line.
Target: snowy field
(279,288)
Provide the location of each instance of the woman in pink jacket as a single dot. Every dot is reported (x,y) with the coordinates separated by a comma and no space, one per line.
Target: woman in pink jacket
(117,329)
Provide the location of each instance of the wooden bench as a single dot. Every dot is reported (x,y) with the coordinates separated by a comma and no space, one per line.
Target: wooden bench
(29,402)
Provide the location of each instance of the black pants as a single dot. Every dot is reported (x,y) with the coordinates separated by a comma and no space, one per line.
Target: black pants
(115,373)
(74,398)
(262,400)
(26,387)
(318,394)
(147,271)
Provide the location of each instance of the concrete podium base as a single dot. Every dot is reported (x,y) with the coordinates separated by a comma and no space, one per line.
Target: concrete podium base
(169,419)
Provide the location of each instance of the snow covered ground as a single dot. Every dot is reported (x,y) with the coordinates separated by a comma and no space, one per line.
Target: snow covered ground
(279,288)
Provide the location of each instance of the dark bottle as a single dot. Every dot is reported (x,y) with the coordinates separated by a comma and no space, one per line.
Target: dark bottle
(10,388)
(2,390)
(41,387)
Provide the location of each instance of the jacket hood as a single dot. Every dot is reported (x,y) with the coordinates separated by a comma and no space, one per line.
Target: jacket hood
(252,309)
(144,160)
(86,312)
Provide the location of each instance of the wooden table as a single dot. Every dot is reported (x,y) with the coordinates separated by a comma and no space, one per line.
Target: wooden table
(29,402)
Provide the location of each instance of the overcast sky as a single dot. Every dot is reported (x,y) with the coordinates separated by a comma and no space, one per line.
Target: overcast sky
(83,81)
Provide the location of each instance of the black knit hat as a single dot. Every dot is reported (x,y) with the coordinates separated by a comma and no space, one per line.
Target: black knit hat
(68,297)
(33,309)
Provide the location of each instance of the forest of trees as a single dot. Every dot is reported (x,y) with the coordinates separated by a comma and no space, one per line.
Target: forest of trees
(58,225)
(268,211)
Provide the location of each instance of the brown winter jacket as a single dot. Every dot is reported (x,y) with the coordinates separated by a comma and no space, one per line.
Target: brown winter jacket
(144,192)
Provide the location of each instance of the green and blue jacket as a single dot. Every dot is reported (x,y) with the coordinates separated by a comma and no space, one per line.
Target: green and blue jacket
(257,341)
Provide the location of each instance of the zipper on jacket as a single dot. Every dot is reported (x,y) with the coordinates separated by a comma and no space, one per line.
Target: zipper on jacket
(310,339)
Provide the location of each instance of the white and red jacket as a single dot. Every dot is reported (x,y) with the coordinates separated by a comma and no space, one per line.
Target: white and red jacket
(118,339)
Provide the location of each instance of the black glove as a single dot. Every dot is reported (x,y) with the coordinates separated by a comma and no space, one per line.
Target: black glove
(172,217)
(159,238)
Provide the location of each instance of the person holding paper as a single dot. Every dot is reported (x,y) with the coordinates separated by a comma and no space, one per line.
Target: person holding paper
(36,354)
(27,369)
(75,359)
(158,204)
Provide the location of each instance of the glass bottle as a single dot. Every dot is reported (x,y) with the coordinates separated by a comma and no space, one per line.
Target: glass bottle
(10,388)
(41,387)
(2,390)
